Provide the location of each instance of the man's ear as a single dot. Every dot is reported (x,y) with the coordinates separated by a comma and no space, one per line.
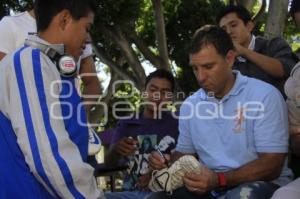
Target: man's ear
(230,57)
(64,18)
(250,25)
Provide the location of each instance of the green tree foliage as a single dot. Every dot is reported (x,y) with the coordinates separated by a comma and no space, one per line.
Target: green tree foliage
(189,16)
(182,18)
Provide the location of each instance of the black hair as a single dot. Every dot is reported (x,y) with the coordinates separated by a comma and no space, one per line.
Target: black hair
(161,73)
(239,10)
(45,10)
(295,7)
(211,35)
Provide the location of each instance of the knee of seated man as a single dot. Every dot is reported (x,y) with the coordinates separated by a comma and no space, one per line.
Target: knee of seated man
(252,190)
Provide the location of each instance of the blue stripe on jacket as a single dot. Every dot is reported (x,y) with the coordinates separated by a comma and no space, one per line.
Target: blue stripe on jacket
(28,120)
(78,133)
(50,133)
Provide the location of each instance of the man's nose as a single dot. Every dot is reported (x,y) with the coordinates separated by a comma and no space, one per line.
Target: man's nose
(201,75)
(88,38)
(157,96)
(229,30)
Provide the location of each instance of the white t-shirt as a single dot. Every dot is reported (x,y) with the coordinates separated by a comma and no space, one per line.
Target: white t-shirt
(14,30)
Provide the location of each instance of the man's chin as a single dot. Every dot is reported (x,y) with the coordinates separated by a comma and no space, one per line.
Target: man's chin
(209,92)
(76,55)
(206,89)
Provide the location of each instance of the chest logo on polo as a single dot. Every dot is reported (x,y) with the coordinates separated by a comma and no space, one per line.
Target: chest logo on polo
(239,120)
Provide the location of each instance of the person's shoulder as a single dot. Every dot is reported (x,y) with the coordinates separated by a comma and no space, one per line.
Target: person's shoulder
(275,42)
(260,89)
(13,18)
(134,119)
(170,116)
(26,54)
(260,38)
(20,15)
(264,39)
(14,22)
(9,61)
(191,101)
(257,84)
(23,20)
(195,96)
(6,21)
(20,50)
(261,41)
(277,39)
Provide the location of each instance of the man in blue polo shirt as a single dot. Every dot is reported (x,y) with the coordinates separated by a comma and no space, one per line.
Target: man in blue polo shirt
(235,125)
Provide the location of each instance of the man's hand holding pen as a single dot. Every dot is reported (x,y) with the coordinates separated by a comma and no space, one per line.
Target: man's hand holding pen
(158,160)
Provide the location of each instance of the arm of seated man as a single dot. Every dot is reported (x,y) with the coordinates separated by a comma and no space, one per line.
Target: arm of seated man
(266,168)
(295,143)
(123,148)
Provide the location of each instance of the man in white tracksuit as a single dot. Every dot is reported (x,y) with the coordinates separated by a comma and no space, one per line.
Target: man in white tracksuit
(43,131)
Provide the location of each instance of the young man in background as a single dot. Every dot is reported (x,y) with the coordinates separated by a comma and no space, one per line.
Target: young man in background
(136,137)
(268,60)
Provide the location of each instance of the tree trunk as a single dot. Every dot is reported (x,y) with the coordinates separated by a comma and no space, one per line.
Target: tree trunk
(155,60)
(160,33)
(258,16)
(248,4)
(111,64)
(278,10)
(116,34)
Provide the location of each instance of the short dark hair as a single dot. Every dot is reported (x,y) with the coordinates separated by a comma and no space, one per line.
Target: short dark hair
(295,7)
(45,10)
(211,35)
(239,10)
(161,73)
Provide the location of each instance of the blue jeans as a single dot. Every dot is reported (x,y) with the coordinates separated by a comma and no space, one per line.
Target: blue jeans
(127,195)
(253,190)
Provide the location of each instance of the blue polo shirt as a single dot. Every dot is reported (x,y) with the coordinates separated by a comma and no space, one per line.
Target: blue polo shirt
(228,133)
